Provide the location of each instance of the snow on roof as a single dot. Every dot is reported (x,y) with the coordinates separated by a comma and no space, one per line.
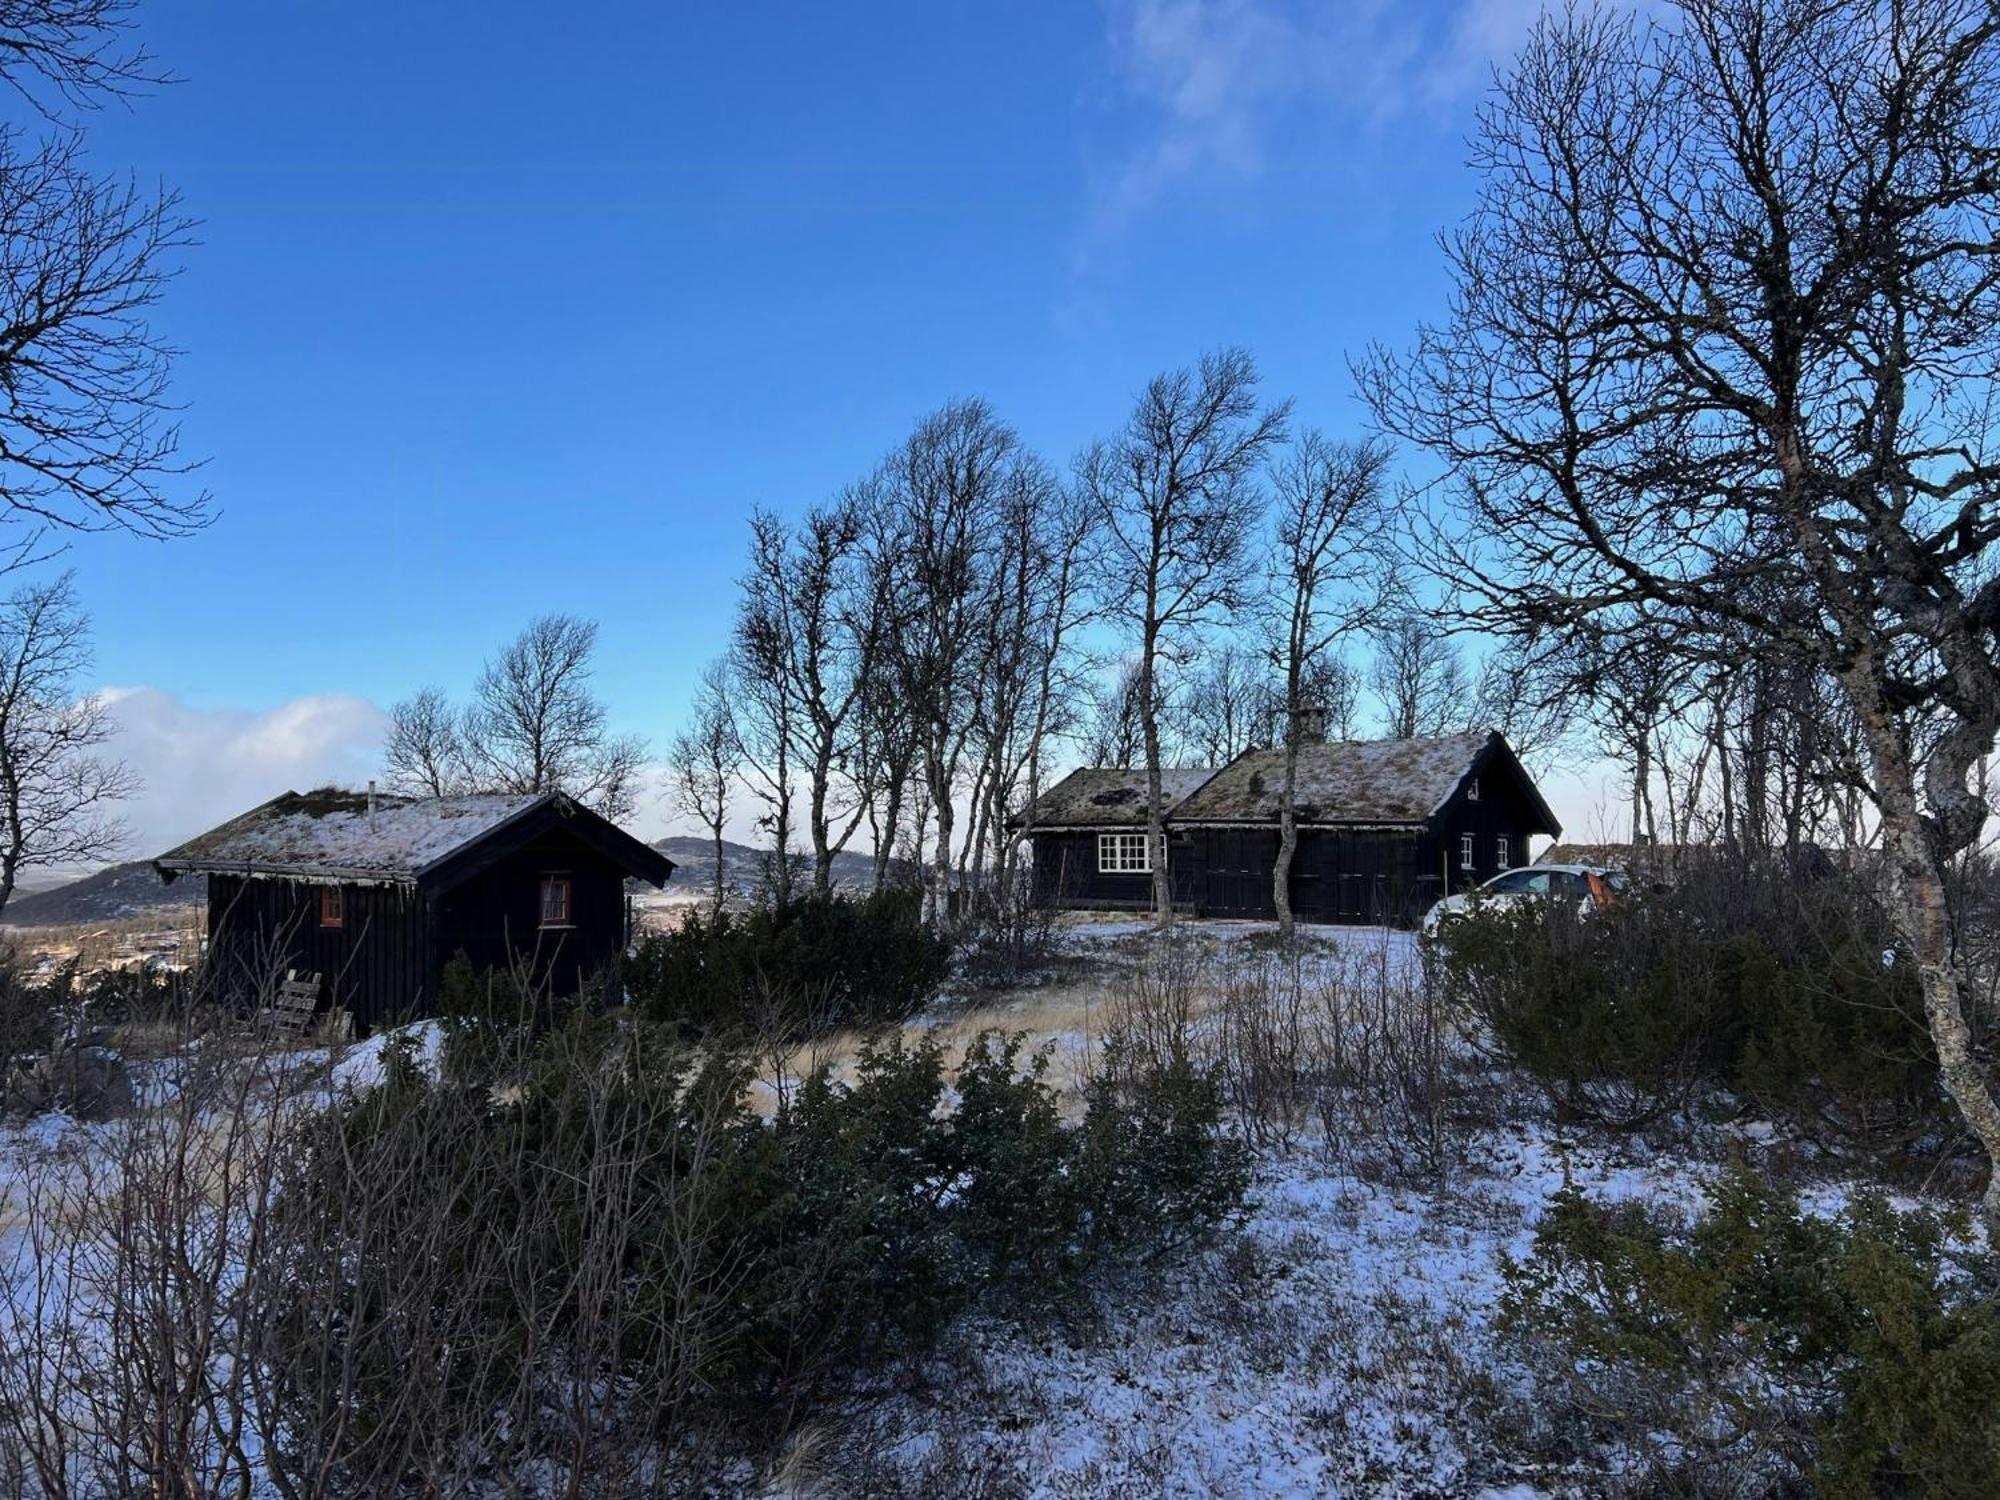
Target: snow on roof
(1346,781)
(1110,796)
(333,833)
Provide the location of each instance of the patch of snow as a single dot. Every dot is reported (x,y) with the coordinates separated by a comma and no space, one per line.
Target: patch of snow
(361,1066)
(1332,1349)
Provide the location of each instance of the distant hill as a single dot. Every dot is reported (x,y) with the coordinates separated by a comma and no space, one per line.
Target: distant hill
(743,867)
(129,890)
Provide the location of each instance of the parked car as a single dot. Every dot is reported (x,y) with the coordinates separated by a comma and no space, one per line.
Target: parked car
(1590,886)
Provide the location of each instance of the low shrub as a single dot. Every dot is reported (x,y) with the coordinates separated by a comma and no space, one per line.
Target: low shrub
(1831,1035)
(27,1022)
(807,965)
(1787,992)
(1765,1350)
(600,1217)
(1612,1015)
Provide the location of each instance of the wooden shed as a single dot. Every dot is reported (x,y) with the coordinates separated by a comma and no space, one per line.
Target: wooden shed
(1386,828)
(375,894)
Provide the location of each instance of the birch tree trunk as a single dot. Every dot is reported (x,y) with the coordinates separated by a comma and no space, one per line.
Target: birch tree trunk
(1288,839)
(1922,917)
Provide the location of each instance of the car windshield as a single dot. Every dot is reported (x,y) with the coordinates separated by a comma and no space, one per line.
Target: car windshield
(1518,883)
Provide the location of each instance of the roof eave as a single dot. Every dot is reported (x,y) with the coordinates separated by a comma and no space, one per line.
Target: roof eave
(1301,823)
(171,869)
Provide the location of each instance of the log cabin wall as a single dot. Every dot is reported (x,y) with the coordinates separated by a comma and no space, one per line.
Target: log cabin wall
(374,964)
(495,916)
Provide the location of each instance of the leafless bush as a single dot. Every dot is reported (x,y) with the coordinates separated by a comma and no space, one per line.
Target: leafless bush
(251,1286)
(1394,1071)
(1263,1048)
(1362,1046)
(1154,1015)
(126,1354)
(1011,934)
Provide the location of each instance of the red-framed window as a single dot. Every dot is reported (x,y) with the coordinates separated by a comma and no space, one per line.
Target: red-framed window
(332,906)
(556,908)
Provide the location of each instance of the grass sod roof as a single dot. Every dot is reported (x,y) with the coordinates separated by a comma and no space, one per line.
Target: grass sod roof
(335,834)
(1108,797)
(1341,781)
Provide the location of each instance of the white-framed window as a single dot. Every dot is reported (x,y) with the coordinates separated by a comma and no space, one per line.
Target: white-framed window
(1472,790)
(1124,854)
(1500,853)
(1465,851)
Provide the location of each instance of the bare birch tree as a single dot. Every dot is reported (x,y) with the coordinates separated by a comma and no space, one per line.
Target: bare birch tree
(939,531)
(704,761)
(1419,678)
(425,752)
(1111,735)
(1724,339)
(812,617)
(1324,585)
(1233,702)
(533,725)
(57,795)
(1176,502)
(536,726)
(87,436)
(1032,662)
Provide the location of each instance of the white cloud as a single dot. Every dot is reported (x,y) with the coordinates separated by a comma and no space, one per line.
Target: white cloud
(1216,77)
(202,765)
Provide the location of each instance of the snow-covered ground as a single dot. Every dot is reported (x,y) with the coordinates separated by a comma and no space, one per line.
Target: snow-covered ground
(1341,1341)
(1340,1344)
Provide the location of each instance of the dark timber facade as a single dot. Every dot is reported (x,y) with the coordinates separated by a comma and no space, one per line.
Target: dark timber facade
(1386,828)
(376,894)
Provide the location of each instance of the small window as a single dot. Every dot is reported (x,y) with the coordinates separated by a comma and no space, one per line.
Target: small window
(1500,859)
(555,901)
(332,906)
(1465,851)
(1472,790)
(1124,854)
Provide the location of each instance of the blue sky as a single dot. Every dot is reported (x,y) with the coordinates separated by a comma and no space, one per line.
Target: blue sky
(499,311)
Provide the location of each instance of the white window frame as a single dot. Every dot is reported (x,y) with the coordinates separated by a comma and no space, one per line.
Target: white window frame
(1472,790)
(1466,853)
(1501,853)
(1124,854)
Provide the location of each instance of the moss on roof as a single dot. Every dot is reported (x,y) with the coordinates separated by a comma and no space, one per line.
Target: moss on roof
(1345,781)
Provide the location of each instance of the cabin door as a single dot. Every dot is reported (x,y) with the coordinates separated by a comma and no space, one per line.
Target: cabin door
(1352,878)
(1239,872)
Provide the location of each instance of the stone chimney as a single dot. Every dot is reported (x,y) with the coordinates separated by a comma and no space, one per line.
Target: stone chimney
(1309,724)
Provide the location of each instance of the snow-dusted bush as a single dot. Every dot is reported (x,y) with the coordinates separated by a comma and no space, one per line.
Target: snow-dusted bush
(1780,986)
(1764,1349)
(808,965)
(1612,1015)
(596,1240)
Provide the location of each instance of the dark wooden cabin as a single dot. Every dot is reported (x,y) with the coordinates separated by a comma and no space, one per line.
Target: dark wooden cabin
(1088,838)
(375,894)
(1386,828)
